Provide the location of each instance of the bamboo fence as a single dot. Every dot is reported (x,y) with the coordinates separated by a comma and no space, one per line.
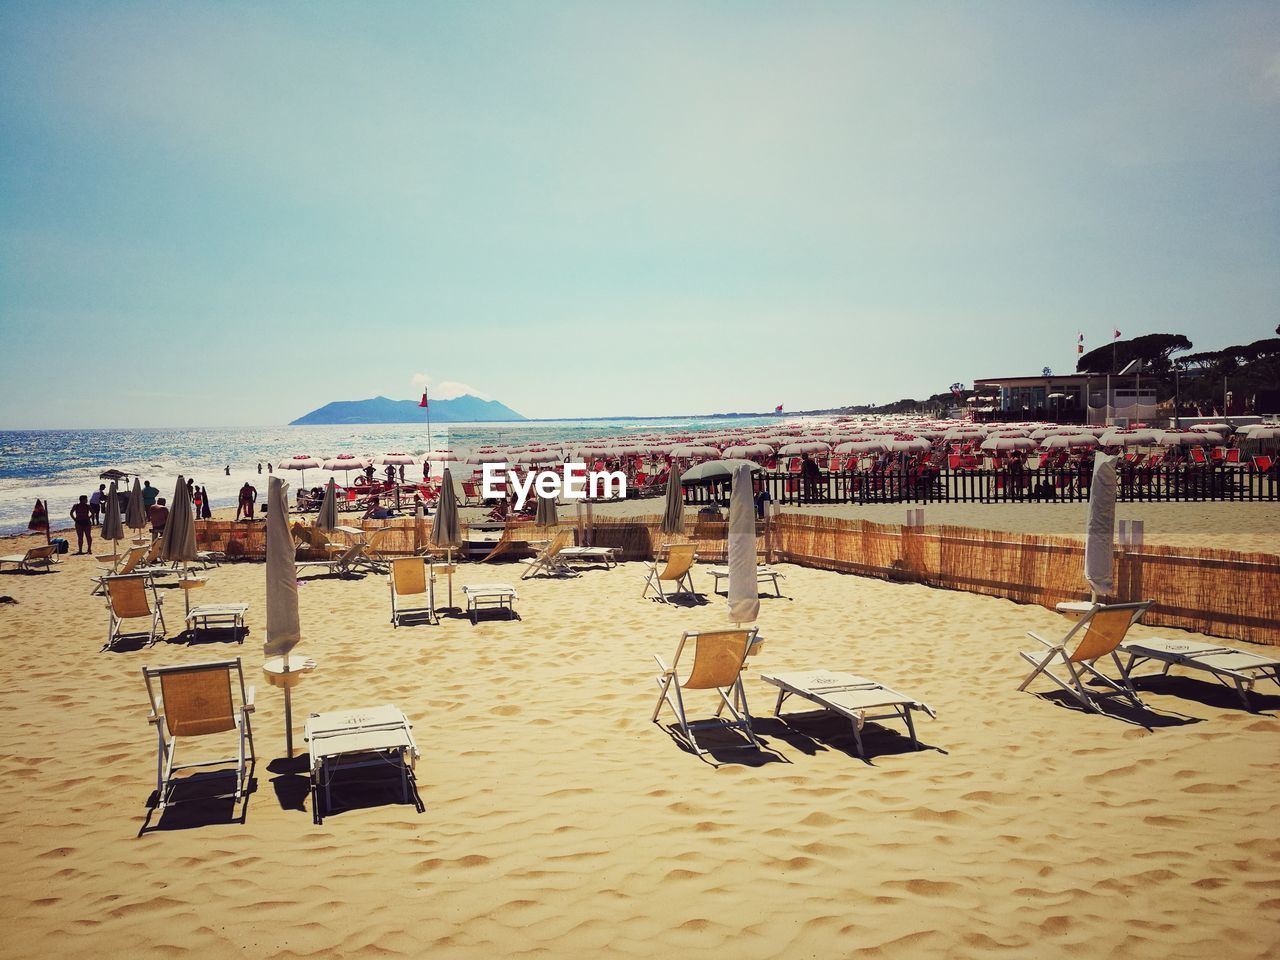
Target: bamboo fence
(1219,592)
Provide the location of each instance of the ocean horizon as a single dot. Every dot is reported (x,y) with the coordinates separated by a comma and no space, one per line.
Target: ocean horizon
(60,465)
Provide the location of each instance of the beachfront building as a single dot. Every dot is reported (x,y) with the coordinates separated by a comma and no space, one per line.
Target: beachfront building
(1071,398)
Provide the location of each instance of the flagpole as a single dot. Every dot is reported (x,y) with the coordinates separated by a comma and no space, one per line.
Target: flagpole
(427,394)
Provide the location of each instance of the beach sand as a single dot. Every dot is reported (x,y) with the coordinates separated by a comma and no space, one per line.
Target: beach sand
(560,822)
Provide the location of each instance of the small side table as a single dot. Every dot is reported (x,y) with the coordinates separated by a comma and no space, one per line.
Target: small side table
(287,672)
(188,584)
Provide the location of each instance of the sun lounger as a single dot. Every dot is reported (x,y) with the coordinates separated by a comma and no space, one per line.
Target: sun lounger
(1230,666)
(606,556)
(500,595)
(547,562)
(207,616)
(677,570)
(411,577)
(196,701)
(132,597)
(719,657)
(347,739)
(764,574)
(341,565)
(1097,634)
(45,556)
(855,698)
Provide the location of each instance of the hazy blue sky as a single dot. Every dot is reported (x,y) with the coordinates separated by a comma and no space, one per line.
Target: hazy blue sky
(232,213)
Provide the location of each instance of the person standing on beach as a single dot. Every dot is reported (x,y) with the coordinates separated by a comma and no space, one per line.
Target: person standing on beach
(159,516)
(191,490)
(227,471)
(206,512)
(95,502)
(268,467)
(82,514)
(248,496)
(259,468)
(149,494)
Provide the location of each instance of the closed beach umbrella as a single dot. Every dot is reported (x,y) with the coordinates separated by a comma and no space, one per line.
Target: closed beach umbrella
(40,518)
(135,515)
(112,529)
(419,534)
(673,512)
(444,525)
(546,515)
(744,590)
(180,529)
(327,518)
(1099,545)
(283,630)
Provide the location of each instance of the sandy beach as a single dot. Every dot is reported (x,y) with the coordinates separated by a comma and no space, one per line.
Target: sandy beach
(560,822)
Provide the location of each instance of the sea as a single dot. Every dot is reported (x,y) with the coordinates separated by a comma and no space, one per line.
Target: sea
(60,465)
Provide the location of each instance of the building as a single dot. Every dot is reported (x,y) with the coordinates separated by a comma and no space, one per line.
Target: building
(1071,398)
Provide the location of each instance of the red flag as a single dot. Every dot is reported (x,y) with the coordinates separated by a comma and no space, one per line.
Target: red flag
(778,408)
(1115,335)
(423,402)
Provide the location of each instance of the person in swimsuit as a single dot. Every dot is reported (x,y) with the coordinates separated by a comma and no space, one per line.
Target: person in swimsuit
(82,514)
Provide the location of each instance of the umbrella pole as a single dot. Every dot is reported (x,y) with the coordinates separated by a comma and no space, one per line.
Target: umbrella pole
(46,523)
(288,711)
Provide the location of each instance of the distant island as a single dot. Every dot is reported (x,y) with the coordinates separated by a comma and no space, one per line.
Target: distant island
(463,409)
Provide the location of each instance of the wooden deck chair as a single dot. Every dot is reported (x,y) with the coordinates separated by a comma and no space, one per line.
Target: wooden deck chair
(548,561)
(718,660)
(410,577)
(677,570)
(1098,633)
(132,597)
(197,700)
(126,563)
(341,565)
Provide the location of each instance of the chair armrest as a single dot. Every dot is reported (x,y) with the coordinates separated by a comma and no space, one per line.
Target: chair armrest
(663,666)
(1035,636)
(155,718)
(248,700)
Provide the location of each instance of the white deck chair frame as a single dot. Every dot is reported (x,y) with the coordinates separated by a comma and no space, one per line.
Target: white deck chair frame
(733,697)
(1081,671)
(1199,656)
(155,604)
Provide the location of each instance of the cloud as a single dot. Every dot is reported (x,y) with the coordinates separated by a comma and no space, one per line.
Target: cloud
(445,389)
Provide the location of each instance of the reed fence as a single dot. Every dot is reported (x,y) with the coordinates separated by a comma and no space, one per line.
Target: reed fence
(1218,592)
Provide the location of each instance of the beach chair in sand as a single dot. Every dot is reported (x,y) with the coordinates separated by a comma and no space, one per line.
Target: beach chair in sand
(548,561)
(198,700)
(503,596)
(605,556)
(855,698)
(412,592)
(677,570)
(719,657)
(1097,634)
(1230,666)
(45,556)
(764,574)
(341,565)
(132,597)
(124,565)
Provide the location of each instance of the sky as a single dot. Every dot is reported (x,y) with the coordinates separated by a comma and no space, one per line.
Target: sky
(230,214)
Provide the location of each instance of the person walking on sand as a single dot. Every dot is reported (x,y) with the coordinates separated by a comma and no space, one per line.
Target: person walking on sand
(227,470)
(159,516)
(82,515)
(259,467)
(95,502)
(248,496)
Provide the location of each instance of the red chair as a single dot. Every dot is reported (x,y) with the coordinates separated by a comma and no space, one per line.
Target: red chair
(1218,454)
(1233,455)
(1197,456)
(793,465)
(1263,464)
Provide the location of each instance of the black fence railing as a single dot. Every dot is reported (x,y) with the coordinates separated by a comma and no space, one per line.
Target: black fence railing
(1156,484)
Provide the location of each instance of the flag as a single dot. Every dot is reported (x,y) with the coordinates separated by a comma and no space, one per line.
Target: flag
(1115,335)
(423,401)
(778,408)
(955,390)
(1080,344)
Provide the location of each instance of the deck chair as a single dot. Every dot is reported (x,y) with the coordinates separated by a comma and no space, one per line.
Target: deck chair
(678,570)
(195,701)
(45,556)
(410,577)
(719,657)
(340,565)
(1098,633)
(548,561)
(132,597)
(125,564)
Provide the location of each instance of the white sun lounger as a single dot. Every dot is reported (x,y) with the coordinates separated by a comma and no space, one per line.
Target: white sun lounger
(855,698)
(1228,665)
(589,555)
(45,556)
(764,574)
(208,615)
(500,595)
(346,739)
